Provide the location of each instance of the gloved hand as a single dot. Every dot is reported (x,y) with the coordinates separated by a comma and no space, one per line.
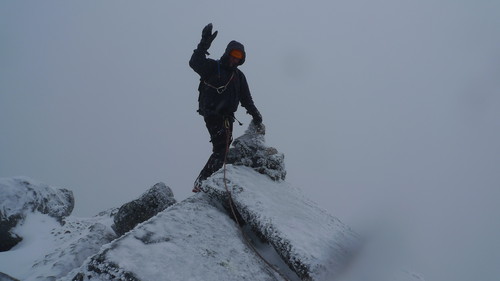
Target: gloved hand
(207,37)
(257,118)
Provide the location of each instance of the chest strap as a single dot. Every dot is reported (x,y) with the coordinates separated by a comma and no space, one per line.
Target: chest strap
(220,89)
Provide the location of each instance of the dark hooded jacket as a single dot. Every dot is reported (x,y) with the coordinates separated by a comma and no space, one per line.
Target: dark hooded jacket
(214,74)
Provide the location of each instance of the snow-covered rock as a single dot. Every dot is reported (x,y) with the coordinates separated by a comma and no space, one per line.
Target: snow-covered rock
(192,240)
(20,196)
(195,239)
(156,199)
(316,245)
(54,247)
(8,239)
(74,242)
(250,150)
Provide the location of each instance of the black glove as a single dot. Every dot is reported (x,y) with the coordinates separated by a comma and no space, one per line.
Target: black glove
(207,37)
(257,118)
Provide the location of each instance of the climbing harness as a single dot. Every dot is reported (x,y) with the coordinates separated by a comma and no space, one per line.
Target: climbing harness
(233,208)
(220,89)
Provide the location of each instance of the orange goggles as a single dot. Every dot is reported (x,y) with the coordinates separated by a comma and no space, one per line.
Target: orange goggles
(237,54)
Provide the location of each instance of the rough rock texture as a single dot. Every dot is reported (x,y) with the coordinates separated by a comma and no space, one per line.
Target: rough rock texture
(19,196)
(192,240)
(250,150)
(316,245)
(276,211)
(7,238)
(156,199)
(77,240)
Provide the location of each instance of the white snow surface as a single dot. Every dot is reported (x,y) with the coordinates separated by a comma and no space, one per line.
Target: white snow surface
(37,240)
(191,240)
(50,250)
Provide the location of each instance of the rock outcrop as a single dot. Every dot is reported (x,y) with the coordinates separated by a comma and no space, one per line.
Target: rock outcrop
(155,238)
(7,238)
(75,239)
(314,244)
(250,150)
(83,238)
(192,240)
(20,196)
(156,199)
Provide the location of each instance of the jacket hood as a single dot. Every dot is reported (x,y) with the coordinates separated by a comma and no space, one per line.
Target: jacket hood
(234,45)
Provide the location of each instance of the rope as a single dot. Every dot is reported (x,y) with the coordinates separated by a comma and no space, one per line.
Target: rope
(233,208)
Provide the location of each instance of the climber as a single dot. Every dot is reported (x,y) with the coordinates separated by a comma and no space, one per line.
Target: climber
(222,87)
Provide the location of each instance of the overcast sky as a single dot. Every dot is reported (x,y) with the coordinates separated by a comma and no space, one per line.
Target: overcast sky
(387,111)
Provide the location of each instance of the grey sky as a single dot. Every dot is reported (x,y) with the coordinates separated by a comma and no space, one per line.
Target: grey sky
(387,111)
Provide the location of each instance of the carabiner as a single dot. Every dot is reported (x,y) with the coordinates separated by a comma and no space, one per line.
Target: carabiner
(221,89)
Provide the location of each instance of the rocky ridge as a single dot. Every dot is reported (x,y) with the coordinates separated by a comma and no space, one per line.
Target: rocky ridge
(156,238)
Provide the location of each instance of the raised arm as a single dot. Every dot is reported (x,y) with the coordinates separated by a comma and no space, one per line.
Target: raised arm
(199,61)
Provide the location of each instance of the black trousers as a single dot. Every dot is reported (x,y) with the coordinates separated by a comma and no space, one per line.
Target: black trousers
(220,129)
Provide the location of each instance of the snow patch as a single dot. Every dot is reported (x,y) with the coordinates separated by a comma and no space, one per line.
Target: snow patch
(37,240)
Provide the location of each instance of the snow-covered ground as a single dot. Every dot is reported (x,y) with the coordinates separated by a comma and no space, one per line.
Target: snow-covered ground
(197,238)
(37,240)
(50,250)
(192,240)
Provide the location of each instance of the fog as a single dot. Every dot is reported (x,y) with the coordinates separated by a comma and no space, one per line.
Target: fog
(386,111)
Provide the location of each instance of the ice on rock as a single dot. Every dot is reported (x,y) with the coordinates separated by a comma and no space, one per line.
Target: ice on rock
(156,199)
(250,150)
(21,196)
(314,244)
(192,240)
(195,239)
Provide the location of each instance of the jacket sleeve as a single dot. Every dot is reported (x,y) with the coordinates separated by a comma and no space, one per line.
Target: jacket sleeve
(200,63)
(246,98)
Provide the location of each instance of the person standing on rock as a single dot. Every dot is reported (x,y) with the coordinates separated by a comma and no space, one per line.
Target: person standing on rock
(222,88)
